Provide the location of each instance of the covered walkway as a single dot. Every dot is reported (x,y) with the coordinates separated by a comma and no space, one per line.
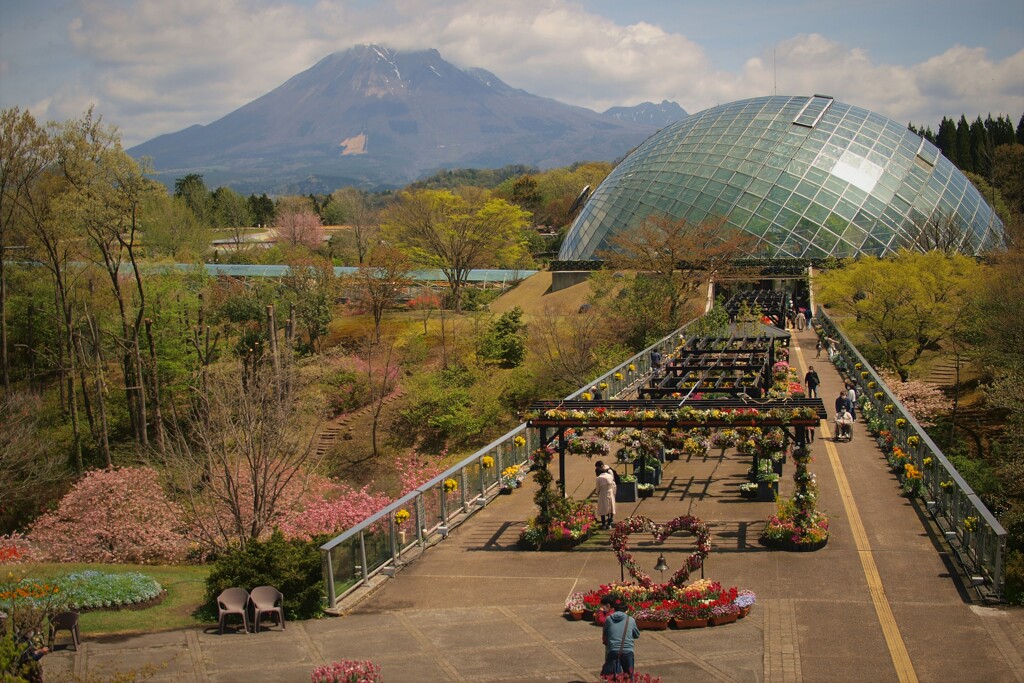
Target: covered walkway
(880,602)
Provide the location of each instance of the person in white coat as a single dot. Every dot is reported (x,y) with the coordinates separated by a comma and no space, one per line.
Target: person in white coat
(605,494)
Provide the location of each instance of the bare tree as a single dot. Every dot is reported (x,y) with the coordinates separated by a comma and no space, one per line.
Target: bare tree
(378,285)
(567,345)
(241,457)
(677,256)
(382,378)
(942,232)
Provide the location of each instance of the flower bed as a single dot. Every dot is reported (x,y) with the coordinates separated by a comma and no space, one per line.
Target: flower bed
(95,590)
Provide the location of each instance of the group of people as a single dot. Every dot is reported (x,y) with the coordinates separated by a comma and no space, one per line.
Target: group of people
(797,319)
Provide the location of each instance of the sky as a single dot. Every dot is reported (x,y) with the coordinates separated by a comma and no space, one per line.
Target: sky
(157,66)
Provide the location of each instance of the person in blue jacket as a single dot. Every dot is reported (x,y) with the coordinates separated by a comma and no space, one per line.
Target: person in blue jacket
(620,630)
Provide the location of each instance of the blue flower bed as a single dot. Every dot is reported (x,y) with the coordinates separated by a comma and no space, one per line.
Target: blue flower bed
(91,589)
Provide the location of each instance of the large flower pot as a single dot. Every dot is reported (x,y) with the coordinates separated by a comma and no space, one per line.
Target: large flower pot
(626,492)
(652,624)
(766,491)
(726,619)
(689,623)
(575,616)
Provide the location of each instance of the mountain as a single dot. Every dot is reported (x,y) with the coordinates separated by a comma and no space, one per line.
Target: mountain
(374,117)
(659,115)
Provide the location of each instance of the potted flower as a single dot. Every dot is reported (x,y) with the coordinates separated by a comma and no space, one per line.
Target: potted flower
(745,600)
(645,490)
(347,671)
(487,462)
(450,485)
(511,478)
(748,490)
(574,606)
(654,617)
(724,614)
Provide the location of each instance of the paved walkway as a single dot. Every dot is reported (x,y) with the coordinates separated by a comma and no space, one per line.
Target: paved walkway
(881,602)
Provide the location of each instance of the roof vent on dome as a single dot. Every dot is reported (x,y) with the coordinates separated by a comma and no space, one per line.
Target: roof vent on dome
(812,111)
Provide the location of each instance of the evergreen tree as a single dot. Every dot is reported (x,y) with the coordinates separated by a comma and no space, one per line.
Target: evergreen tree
(1020,130)
(262,209)
(946,140)
(963,145)
(981,149)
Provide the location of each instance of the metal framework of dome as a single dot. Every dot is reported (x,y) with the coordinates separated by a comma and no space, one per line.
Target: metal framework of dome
(809,177)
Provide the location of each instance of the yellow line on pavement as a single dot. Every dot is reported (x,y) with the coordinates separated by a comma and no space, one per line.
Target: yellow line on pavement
(893,639)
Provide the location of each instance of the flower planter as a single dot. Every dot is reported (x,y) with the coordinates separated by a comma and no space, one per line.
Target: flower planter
(575,616)
(644,493)
(750,494)
(789,546)
(671,454)
(651,624)
(725,619)
(766,491)
(505,491)
(744,611)
(626,492)
(689,623)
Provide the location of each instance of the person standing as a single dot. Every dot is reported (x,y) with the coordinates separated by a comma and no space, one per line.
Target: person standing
(817,348)
(851,400)
(811,382)
(605,494)
(801,321)
(619,633)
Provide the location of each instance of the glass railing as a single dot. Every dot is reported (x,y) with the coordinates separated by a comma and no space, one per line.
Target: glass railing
(976,537)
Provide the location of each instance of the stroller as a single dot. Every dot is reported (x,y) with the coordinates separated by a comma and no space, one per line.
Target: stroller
(844,430)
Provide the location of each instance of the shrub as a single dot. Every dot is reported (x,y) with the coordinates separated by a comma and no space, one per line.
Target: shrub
(119,515)
(291,566)
(1014,575)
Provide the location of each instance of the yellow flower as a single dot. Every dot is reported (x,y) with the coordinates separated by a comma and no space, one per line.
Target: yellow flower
(632,368)
(618,376)
(487,462)
(451,486)
(603,385)
(519,441)
(401,517)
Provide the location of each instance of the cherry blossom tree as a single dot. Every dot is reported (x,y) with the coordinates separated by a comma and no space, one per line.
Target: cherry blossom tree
(298,226)
(117,515)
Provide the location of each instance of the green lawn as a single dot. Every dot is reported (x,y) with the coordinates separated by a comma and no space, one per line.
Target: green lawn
(184,585)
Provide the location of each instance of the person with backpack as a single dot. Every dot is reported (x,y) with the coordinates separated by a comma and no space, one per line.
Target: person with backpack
(811,382)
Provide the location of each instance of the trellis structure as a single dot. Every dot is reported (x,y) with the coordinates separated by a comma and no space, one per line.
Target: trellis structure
(736,366)
(774,305)
(552,418)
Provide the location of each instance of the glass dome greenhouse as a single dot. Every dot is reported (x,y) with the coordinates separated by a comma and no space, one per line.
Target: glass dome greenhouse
(809,177)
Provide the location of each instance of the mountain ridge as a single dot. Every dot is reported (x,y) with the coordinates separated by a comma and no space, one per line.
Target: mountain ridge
(375,117)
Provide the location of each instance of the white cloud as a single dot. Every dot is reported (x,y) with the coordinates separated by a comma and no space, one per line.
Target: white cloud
(153,66)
